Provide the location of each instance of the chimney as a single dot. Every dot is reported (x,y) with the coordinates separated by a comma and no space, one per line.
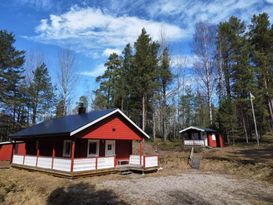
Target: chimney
(81,109)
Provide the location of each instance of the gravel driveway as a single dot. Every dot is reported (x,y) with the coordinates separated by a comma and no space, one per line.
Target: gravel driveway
(191,188)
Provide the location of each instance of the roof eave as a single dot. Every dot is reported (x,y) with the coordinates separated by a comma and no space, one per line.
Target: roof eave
(38,136)
(192,127)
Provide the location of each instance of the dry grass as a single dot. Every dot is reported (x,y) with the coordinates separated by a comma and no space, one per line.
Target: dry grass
(248,161)
(34,188)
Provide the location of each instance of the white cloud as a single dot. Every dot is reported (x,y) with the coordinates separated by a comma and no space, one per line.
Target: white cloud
(37,4)
(183,61)
(94,72)
(89,30)
(190,12)
(109,51)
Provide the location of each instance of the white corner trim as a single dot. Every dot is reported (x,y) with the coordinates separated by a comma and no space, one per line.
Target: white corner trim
(191,127)
(105,116)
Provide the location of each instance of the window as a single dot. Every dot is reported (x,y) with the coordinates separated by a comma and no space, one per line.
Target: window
(67,148)
(93,148)
(213,137)
(109,147)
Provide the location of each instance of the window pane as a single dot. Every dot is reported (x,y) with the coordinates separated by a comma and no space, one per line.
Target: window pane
(109,147)
(67,148)
(92,148)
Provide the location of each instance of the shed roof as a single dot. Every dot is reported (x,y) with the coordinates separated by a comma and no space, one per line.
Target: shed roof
(200,129)
(70,125)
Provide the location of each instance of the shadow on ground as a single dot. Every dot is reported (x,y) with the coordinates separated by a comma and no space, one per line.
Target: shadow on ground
(82,194)
(262,154)
(187,198)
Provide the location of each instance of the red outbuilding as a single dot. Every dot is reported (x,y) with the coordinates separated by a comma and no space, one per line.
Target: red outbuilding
(6,150)
(85,143)
(197,136)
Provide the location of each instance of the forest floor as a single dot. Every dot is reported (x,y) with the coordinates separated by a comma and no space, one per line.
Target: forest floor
(232,175)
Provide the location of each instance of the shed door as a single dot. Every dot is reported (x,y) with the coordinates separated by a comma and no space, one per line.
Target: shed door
(110,146)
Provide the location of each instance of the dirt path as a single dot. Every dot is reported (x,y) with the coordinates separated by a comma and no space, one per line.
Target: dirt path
(192,188)
(23,187)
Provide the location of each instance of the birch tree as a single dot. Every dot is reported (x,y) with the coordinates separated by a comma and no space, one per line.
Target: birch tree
(66,76)
(204,49)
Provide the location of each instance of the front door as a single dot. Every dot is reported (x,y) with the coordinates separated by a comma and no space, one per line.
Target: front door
(110,147)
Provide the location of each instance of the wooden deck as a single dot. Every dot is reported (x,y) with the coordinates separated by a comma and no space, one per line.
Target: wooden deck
(72,175)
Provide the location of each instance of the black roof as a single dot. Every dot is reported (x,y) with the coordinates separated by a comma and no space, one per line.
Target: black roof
(198,129)
(61,126)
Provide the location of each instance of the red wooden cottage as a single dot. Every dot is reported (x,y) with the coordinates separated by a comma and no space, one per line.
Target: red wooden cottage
(197,136)
(86,143)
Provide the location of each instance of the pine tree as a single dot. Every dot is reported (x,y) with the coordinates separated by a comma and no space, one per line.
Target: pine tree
(110,81)
(11,73)
(145,71)
(41,92)
(261,40)
(126,76)
(234,73)
(187,109)
(165,79)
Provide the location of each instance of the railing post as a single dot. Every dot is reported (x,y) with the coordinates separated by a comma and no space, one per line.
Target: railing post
(24,157)
(158,162)
(144,161)
(53,155)
(25,153)
(96,163)
(72,156)
(37,152)
(115,161)
(140,152)
(12,152)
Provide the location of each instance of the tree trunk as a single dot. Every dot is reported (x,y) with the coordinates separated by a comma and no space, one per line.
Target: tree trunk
(143,113)
(270,106)
(164,130)
(210,112)
(122,102)
(154,130)
(245,130)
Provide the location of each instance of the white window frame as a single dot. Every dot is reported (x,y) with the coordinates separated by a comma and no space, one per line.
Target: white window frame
(64,146)
(213,136)
(98,148)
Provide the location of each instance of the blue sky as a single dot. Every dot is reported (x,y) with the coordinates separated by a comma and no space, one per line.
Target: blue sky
(95,28)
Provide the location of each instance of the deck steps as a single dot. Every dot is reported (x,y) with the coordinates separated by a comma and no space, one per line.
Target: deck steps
(126,172)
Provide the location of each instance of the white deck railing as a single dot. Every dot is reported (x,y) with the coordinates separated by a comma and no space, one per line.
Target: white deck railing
(84,164)
(64,164)
(135,160)
(30,160)
(105,162)
(18,159)
(195,142)
(146,161)
(44,162)
(151,161)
